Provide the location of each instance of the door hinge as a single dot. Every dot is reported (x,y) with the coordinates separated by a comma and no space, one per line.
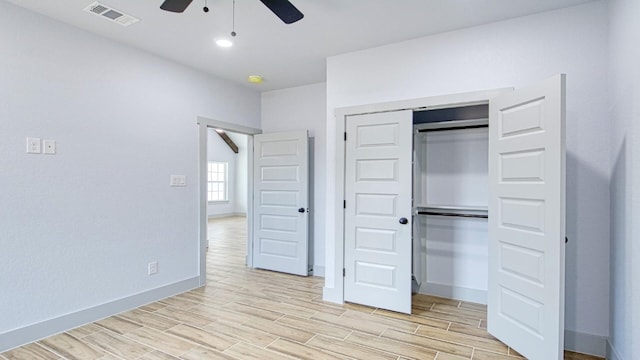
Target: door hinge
(344,204)
(345,136)
(343,272)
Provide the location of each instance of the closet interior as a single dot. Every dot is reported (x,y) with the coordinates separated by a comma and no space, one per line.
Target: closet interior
(450,199)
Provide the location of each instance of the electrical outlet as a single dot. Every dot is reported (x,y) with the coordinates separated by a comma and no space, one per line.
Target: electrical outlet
(153,267)
(49,147)
(33,145)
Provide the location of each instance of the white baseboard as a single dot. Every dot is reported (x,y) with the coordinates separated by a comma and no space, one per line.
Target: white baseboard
(454,292)
(612,353)
(318,270)
(333,295)
(30,333)
(585,343)
(226,215)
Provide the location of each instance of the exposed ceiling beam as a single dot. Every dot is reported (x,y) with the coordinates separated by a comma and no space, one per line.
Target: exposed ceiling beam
(228,140)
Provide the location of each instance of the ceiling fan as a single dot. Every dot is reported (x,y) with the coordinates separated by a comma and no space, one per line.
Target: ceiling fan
(282,8)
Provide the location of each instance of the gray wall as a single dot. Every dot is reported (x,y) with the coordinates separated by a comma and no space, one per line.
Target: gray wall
(299,108)
(77,229)
(624,118)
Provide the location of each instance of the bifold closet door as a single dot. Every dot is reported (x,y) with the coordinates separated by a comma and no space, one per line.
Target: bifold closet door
(527,219)
(378,185)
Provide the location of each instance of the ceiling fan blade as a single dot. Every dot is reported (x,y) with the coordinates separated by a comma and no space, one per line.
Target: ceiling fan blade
(284,10)
(175,5)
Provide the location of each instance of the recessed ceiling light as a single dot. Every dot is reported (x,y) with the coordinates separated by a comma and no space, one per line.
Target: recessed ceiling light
(255,79)
(224,43)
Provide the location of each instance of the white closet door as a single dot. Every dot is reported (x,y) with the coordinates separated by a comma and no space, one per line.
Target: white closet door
(378,180)
(527,219)
(280,191)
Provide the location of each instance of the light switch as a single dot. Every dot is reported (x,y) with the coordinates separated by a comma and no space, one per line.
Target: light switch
(178,180)
(33,145)
(49,147)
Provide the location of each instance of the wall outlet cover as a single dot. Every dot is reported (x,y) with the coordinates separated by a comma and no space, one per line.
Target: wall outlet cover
(178,180)
(152,268)
(49,146)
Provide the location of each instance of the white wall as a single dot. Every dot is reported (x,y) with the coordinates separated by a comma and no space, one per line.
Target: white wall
(242,177)
(78,229)
(624,90)
(454,172)
(218,150)
(512,53)
(302,108)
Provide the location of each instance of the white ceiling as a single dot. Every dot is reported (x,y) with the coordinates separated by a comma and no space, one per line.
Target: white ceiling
(285,55)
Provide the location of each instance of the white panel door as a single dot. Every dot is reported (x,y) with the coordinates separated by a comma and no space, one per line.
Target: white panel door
(378,183)
(527,219)
(280,195)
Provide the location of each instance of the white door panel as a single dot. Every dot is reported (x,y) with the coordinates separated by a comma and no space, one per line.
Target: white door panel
(378,183)
(280,190)
(527,219)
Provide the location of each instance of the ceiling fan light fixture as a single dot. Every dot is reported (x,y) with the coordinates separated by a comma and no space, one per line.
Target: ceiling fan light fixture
(225,43)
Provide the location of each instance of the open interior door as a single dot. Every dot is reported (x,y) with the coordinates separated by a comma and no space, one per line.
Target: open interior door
(280,191)
(527,219)
(378,185)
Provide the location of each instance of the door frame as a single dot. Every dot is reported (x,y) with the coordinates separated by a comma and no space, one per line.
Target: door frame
(204,124)
(333,290)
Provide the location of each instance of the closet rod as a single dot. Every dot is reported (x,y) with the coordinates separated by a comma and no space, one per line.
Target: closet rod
(455,128)
(453,214)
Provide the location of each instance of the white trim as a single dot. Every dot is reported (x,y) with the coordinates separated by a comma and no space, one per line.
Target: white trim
(334,276)
(455,292)
(30,333)
(585,343)
(226,126)
(333,294)
(204,124)
(226,215)
(203,137)
(250,201)
(318,270)
(612,353)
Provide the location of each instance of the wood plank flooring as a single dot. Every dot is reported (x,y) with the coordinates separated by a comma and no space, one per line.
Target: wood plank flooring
(253,314)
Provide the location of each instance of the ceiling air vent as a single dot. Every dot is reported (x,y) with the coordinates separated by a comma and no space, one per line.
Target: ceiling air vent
(111,14)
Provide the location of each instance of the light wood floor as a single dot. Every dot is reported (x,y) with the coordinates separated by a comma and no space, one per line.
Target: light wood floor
(253,314)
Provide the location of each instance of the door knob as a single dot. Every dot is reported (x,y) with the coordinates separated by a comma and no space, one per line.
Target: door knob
(403,221)
(301,210)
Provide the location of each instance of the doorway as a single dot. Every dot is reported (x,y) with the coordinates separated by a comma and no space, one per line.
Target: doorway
(207,125)
(227,186)
(276,188)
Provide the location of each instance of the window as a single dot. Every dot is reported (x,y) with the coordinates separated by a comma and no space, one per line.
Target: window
(217,181)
